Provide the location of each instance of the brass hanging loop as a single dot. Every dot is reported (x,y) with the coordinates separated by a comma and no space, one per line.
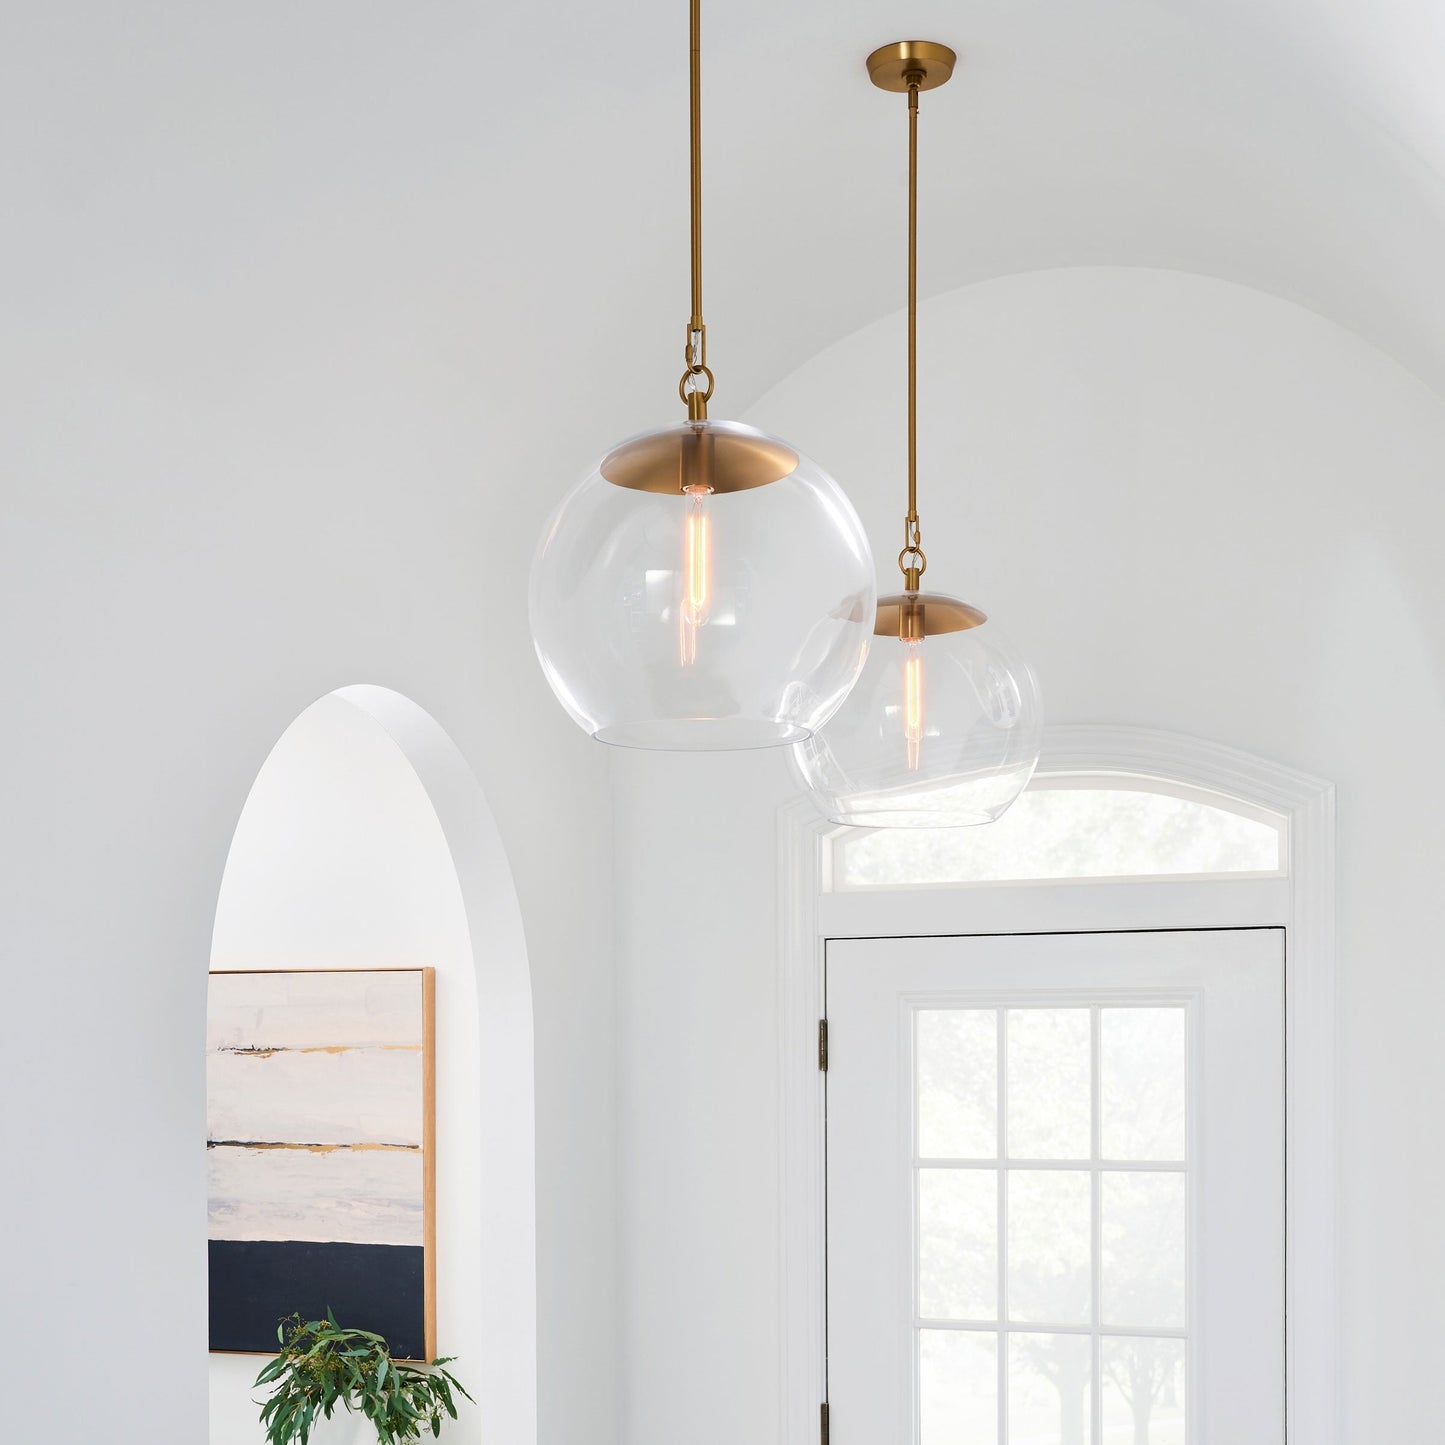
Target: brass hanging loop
(697,382)
(912,561)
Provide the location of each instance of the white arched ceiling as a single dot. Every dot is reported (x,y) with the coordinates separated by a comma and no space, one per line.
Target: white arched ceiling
(501,190)
(1182,136)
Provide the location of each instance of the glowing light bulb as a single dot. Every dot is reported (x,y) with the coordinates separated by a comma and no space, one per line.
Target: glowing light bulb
(913,703)
(696,604)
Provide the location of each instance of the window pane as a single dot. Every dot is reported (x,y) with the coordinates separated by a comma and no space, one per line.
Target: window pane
(1049,1389)
(1142,1274)
(957,1387)
(1049,1246)
(1143,1389)
(957,1063)
(1142,1064)
(1048,1083)
(958,1244)
(1065,832)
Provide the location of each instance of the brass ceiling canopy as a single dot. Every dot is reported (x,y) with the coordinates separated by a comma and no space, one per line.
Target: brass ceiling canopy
(916,615)
(910,64)
(699,454)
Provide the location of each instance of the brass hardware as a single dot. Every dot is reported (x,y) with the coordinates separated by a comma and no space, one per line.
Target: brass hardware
(656,469)
(913,616)
(696,396)
(707,454)
(694,75)
(912,560)
(910,525)
(823,1065)
(890,66)
(910,67)
(708,457)
(691,388)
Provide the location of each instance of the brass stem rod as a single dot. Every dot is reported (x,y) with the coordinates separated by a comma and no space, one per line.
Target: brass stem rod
(913,85)
(695,125)
(697,381)
(912,66)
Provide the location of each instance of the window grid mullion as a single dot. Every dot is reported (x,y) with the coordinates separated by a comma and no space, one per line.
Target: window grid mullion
(1064,1166)
(1042,1327)
(1002,1327)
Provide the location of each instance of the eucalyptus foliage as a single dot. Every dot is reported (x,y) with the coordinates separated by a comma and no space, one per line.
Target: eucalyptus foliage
(323,1368)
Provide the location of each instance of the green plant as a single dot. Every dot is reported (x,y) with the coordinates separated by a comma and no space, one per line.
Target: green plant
(322,1367)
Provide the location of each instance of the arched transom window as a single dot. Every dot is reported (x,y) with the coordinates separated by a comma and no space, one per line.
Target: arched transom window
(1073,827)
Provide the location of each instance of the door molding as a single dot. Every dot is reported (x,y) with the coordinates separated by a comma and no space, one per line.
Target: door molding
(1304,905)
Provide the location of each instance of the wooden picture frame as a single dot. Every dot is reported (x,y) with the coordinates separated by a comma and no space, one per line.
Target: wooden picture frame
(349,1056)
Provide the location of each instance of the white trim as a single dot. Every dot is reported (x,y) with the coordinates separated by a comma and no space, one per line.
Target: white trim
(801,1280)
(1303,903)
(504,1379)
(1052,776)
(1101,905)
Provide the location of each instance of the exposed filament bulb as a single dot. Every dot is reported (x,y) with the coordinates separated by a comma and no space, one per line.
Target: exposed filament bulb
(696,604)
(913,703)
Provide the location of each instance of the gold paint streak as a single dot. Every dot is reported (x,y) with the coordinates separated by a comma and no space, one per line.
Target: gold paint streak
(358,1048)
(253,1051)
(313,1148)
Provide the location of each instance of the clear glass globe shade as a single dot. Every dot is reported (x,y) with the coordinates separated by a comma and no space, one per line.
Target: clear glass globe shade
(939,733)
(667,615)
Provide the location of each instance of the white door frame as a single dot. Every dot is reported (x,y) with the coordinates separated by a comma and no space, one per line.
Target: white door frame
(1302,902)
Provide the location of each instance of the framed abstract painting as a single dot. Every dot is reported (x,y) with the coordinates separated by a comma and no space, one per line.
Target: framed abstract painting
(320,1149)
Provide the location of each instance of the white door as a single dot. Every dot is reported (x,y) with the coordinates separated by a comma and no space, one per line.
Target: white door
(1056,1189)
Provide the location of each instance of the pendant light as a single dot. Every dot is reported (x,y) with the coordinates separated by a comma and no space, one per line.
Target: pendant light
(706,586)
(944,726)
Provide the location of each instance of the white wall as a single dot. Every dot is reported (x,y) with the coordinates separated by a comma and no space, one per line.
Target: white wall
(340,861)
(1200,509)
(311,314)
(264,436)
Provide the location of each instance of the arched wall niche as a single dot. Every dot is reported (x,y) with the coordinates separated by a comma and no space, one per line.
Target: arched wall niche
(366,841)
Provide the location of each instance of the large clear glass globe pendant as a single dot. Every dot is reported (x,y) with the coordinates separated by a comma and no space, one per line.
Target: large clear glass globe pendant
(705,586)
(944,727)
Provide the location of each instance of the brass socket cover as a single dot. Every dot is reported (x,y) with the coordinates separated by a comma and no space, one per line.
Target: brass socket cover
(701,454)
(916,615)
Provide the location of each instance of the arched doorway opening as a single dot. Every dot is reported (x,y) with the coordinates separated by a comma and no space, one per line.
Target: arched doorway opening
(366,842)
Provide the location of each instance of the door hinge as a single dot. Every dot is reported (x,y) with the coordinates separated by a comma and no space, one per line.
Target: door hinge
(823,1045)
(823,1423)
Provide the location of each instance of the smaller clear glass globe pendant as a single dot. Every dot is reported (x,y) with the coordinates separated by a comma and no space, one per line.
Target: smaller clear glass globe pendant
(942,730)
(705,587)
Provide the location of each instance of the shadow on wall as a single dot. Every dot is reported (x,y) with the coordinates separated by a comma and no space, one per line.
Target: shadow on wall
(367,842)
